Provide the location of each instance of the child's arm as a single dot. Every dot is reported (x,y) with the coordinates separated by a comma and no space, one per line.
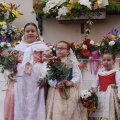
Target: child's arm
(95,84)
(76,75)
(117,78)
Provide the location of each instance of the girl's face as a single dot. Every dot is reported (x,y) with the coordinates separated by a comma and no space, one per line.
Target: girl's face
(62,50)
(30,34)
(108,61)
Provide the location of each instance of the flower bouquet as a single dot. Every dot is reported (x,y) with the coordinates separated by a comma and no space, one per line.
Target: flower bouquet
(110,42)
(89,100)
(8,61)
(8,12)
(58,71)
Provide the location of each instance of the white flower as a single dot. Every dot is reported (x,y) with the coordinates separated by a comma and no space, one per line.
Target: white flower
(6,15)
(62,1)
(119,36)
(92,42)
(4,27)
(102,3)
(54,49)
(10,32)
(51,4)
(85,3)
(2,32)
(62,12)
(45,10)
(84,46)
(85,94)
(2,44)
(8,44)
(50,47)
(111,43)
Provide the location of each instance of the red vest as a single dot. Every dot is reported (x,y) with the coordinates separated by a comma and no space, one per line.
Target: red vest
(105,81)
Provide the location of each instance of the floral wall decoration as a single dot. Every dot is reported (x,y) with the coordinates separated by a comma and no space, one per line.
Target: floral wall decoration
(9,34)
(73,9)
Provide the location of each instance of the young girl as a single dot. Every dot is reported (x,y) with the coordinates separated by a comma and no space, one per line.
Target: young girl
(107,83)
(29,103)
(57,107)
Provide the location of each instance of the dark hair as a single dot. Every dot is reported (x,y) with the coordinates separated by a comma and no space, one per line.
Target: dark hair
(111,53)
(68,46)
(33,24)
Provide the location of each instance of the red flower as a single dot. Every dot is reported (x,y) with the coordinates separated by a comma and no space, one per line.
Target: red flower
(86,52)
(86,41)
(73,46)
(89,45)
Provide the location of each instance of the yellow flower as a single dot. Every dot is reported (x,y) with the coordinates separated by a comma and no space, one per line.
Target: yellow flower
(15,13)
(69,6)
(3,23)
(9,55)
(98,44)
(13,43)
(73,1)
(113,37)
(6,5)
(96,4)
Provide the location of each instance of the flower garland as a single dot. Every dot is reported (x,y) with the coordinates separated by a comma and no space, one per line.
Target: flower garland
(67,8)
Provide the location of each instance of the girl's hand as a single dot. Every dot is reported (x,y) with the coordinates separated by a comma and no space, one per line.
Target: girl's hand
(60,84)
(42,84)
(68,83)
(10,76)
(94,90)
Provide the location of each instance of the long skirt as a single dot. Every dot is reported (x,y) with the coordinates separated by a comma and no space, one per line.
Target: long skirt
(59,108)
(9,102)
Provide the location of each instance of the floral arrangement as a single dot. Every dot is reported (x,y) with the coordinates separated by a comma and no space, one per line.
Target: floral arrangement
(67,8)
(8,12)
(89,100)
(56,69)
(8,32)
(110,42)
(60,72)
(8,60)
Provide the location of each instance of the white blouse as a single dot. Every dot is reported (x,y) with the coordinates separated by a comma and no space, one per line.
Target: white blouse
(76,76)
(104,73)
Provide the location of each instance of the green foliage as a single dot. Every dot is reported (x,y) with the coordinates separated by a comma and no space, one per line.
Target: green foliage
(114,5)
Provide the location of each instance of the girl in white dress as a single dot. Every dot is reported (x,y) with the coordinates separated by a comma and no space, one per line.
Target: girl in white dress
(57,107)
(29,99)
(107,85)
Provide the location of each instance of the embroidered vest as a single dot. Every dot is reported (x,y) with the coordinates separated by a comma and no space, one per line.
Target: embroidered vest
(105,81)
